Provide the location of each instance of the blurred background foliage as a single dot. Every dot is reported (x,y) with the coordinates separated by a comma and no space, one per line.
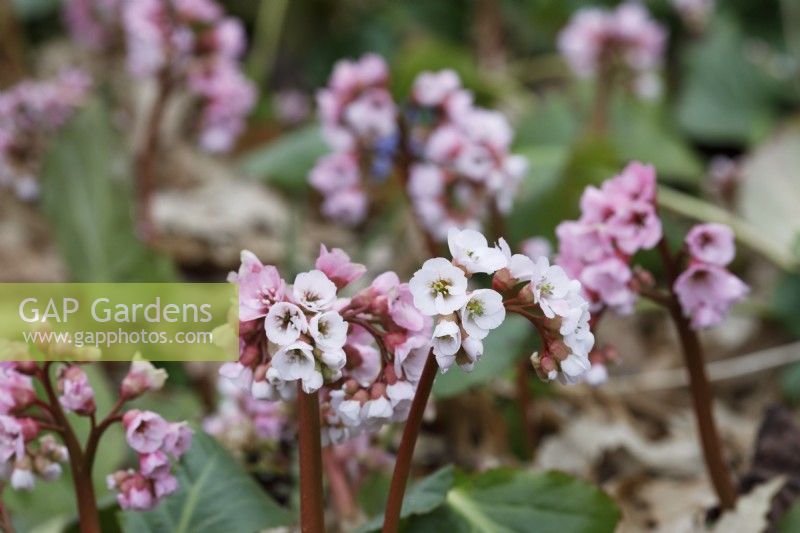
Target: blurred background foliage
(732,89)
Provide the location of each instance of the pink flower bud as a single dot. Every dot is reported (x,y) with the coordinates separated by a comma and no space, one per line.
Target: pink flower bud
(142,377)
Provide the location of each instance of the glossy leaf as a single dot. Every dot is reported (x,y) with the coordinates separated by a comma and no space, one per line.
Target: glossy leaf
(215,494)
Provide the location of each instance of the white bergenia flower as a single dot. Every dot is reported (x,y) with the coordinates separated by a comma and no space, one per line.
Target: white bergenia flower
(329,330)
(376,413)
(439,288)
(550,285)
(483,312)
(521,267)
(334,358)
(296,361)
(573,368)
(314,291)
(22,479)
(349,412)
(237,374)
(446,343)
(470,249)
(284,323)
(473,347)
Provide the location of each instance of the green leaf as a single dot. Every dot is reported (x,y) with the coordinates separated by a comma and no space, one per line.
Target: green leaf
(508,501)
(502,348)
(423,497)
(86,195)
(215,495)
(641,131)
(727,97)
(287,160)
(553,198)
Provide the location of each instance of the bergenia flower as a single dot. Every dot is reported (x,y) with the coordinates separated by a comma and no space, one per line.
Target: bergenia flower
(711,243)
(706,292)
(439,287)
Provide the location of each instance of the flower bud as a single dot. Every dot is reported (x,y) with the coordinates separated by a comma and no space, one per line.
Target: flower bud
(142,377)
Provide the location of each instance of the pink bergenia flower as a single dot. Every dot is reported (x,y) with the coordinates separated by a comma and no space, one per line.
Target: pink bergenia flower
(134,490)
(93,23)
(16,390)
(609,281)
(336,265)
(155,464)
(77,394)
(627,34)
(178,439)
(259,289)
(145,430)
(706,292)
(196,44)
(12,442)
(711,243)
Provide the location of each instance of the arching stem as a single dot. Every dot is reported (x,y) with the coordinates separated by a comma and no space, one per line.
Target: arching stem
(402,466)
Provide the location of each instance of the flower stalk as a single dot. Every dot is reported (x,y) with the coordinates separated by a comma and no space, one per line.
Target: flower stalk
(402,466)
(311,496)
(700,387)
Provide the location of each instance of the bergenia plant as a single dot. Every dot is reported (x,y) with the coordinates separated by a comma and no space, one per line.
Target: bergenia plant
(621,45)
(37,437)
(180,47)
(450,157)
(30,113)
(619,219)
(351,363)
(463,317)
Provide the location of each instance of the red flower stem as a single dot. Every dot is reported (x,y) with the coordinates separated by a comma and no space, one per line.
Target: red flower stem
(98,430)
(339,486)
(145,160)
(523,398)
(88,515)
(402,465)
(311,496)
(702,398)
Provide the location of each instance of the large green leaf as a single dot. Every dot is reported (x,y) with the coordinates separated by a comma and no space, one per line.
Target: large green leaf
(215,495)
(287,160)
(502,348)
(86,195)
(423,497)
(727,97)
(508,501)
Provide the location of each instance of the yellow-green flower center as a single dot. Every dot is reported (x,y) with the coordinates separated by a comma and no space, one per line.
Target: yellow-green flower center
(441,286)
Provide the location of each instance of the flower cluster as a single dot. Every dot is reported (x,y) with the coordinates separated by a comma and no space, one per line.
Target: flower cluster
(453,157)
(541,293)
(364,354)
(156,441)
(93,23)
(706,289)
(359,122)
(193,42)
(464,169)
(617,220)
(597,39)
(243,422)
(25,453)
(30,113)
